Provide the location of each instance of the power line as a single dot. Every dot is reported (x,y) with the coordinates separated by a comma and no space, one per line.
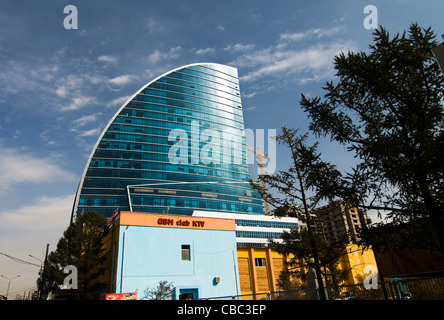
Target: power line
(19,260)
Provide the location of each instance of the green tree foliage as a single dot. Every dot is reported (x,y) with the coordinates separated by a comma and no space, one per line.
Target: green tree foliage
(80,246)
(300,189)
(386,107)
(307,182)
(296,245)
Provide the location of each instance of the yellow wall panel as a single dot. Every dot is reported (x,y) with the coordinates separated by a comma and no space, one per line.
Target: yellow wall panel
(244,275)
(262,279)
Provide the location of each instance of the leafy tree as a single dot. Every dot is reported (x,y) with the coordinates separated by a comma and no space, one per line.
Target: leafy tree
(300,189)
(80,246)
(386,107)
(297,246)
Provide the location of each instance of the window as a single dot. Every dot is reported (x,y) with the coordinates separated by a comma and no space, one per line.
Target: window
(188,294)
(260,262)
(186,252)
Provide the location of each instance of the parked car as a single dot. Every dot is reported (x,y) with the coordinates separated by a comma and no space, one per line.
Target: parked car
(347,295)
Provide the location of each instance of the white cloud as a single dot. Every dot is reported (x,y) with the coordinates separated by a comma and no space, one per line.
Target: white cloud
(205,51)
(293,36)
(119,101)
(91,132)
(62,91)
(78,125)
(82,121)
(121,80)
(157,56)
(45,214)
(318,32)
(68,84)
(109,59)
(239,47)
(249,95)
(45,136)
(45,73)
(286,38)
(19,168)
(17,76)
(62,82)
(95,79)
(79,102)
(154,26)
(312,63)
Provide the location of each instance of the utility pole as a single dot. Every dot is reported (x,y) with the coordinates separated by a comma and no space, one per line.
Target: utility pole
(260,161)
(43,274)
(40,274)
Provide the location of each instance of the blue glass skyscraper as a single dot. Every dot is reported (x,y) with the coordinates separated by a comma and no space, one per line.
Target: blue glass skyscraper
(178,145)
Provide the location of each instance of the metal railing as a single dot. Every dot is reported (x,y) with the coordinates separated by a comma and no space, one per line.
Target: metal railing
(431,288)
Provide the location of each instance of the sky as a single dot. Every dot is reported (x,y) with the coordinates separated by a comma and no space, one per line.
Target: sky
(59,87)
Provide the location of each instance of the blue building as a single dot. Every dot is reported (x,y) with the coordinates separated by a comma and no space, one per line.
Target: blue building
(196,254)
(177,145)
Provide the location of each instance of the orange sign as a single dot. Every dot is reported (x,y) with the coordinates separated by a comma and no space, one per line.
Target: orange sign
(184,223)
(175,221)
(122,296)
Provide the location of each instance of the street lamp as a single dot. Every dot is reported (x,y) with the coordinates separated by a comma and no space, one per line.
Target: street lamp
(9,283)
(40,287)
(42,272)
(41,262)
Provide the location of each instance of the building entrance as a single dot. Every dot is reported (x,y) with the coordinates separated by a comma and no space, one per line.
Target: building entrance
(188,294)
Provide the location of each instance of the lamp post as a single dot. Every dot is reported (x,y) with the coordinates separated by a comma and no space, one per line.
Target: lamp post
(9,283)
(40,287)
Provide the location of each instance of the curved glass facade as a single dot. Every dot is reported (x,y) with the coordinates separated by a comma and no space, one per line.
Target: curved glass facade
(176,146)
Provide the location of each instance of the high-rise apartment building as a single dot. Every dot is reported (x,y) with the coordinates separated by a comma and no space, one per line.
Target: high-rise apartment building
(176,146)
(340,220)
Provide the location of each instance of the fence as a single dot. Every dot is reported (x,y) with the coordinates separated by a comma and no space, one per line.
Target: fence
(395,289)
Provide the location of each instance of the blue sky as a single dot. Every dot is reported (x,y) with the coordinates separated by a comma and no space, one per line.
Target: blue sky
(59,88)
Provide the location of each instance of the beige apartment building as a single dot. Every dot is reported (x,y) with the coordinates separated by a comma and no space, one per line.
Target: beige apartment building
(339,220)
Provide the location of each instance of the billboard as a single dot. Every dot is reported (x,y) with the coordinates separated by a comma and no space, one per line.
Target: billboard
(122,296)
